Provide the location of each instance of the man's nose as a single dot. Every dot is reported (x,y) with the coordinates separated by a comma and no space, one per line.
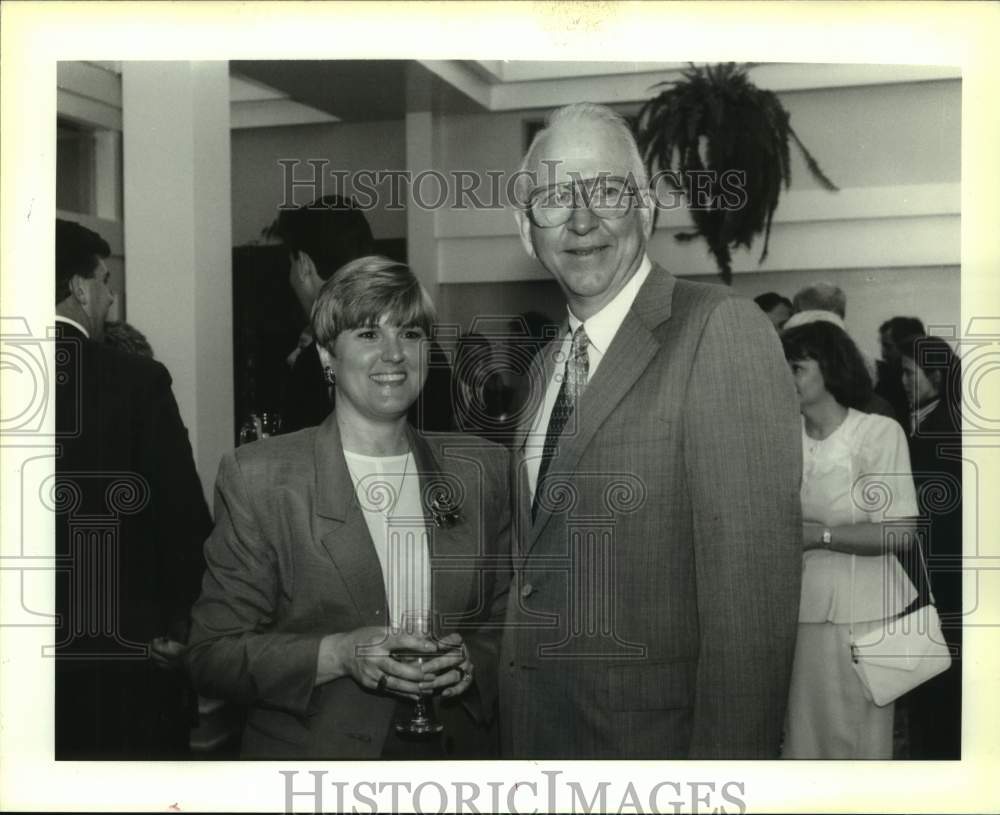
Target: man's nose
(582,220)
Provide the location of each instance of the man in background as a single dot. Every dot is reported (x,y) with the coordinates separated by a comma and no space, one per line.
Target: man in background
(320,238)
(131,519)
(777,308)
(892,334)
(659,550)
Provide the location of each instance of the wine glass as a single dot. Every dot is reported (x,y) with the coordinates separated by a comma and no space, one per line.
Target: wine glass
(423,722)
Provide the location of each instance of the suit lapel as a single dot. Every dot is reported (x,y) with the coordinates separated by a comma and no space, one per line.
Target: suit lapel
(631,351)
(451,546)
(542,368)
(341,523)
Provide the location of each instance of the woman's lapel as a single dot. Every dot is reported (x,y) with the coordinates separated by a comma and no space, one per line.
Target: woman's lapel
(341,523)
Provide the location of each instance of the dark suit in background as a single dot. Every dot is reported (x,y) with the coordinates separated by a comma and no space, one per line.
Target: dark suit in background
(935,707)
(131,521)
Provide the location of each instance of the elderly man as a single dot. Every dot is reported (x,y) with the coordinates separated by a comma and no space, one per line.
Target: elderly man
(130,524)
(654,608)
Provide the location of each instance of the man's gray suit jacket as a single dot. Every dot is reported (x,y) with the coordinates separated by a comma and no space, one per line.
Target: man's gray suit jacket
(654,608)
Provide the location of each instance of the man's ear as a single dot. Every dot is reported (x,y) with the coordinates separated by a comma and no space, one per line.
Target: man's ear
(78,289)
(524,230)
(647,210)
(305,268)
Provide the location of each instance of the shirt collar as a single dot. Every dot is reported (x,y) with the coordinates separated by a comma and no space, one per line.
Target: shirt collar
(602,327)
(74,323)
(922,413)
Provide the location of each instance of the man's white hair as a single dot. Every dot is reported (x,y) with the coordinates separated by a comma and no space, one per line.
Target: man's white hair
(581,113)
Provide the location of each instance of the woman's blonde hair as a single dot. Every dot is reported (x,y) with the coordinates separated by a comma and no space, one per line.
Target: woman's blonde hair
(363,291)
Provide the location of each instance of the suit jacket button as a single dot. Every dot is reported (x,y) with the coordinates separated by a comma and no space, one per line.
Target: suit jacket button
(527,590)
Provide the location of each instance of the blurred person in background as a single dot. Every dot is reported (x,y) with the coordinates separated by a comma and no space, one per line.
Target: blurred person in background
(124,591)
(847,456)
(777,308)
(932,379)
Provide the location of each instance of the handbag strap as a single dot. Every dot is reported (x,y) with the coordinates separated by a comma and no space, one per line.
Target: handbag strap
(927,574)
(927,577)
(850,629)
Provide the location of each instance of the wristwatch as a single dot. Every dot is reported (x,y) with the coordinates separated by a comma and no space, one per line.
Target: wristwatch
(827,537)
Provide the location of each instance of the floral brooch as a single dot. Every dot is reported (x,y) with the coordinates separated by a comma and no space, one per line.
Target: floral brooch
(444,511)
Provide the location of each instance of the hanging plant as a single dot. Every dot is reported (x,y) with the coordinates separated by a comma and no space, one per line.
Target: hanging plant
(715,119)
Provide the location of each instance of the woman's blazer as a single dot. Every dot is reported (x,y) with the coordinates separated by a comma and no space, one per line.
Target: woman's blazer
(291,560)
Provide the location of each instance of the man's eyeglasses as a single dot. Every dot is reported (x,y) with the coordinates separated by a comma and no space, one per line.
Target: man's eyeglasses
(607,198)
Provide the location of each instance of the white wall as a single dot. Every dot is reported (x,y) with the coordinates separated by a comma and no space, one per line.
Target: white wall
(257,178)
(178,248)
(890,238)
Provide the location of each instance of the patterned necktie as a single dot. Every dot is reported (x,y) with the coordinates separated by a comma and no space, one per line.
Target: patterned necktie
(573,384)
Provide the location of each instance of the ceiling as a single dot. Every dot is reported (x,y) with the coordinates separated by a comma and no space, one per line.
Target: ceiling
(372,90)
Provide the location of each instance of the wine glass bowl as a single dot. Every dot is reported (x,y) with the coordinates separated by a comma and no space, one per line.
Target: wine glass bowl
(423,723)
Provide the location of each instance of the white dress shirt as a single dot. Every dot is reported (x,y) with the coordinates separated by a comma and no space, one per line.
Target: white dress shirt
(917,416)
(74,323)
(601,330)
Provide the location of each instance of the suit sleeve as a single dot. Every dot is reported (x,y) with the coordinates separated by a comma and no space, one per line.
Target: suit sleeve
(181,515)
(232,653)
(743,461)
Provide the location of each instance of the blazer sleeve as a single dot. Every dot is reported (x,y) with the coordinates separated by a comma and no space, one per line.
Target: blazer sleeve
(743,462)
(234,651)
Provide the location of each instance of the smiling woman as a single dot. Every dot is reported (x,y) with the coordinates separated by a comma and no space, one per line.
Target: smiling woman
(372,320)
(323,581)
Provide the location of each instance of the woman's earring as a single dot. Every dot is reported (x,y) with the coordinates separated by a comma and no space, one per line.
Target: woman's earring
(331,377)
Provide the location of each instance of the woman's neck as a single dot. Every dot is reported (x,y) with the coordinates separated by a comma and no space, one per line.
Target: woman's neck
(369,438)
(823,418)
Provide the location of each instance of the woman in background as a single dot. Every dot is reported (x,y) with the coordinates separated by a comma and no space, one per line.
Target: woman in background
(857,505)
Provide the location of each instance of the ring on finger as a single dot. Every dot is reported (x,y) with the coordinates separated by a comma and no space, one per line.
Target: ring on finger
(382,682)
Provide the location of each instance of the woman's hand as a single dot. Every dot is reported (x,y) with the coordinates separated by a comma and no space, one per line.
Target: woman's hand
(366,655)
(452,669)
(812,536)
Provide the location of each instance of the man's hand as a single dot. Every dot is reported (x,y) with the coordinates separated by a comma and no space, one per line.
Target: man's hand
(167,653)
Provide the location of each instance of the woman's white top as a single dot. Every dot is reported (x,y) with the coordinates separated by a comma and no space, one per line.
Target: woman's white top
(388,490)
(860,472)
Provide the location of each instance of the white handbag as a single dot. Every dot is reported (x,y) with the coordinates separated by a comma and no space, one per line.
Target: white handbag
(902,652)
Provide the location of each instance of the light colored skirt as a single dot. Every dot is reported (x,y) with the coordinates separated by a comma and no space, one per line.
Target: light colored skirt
(829,713)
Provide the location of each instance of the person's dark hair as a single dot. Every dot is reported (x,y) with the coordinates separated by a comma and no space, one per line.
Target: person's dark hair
(332,230)
(935,357)
(128,338)
(769,300)
(845,374)
(821,297)
(78,251)
(364,291)
(901,328)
